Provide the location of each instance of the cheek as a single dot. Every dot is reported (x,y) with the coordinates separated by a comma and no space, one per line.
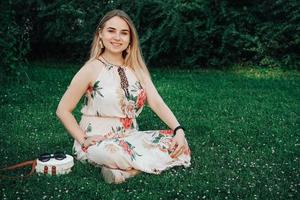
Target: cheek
(107,37)
(126,38)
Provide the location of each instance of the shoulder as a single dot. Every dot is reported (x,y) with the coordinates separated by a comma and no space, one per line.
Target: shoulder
(89,72)
(143,77)
(147,81)
(92,67)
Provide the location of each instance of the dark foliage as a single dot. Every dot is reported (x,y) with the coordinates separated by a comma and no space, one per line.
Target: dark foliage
(14,42)
(199,33)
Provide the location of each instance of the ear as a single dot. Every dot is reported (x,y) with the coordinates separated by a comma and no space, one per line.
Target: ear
(100,33)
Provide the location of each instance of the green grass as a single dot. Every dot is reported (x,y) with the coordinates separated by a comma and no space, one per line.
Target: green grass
(242,127)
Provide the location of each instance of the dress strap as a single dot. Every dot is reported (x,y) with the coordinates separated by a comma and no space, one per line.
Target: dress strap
(105,64)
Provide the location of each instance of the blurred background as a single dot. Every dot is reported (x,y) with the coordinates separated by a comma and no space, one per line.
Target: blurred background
(185,33)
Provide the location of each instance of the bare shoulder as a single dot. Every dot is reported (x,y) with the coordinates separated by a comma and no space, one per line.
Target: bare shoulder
(92,69)
(147,81)
(93,66)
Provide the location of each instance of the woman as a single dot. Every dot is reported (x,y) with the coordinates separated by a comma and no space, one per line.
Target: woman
(116,84)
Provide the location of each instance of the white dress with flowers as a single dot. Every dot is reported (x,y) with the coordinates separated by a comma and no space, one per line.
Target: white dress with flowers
(108,112)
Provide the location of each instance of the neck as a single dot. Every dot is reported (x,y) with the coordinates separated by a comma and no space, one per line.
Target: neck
(115,59)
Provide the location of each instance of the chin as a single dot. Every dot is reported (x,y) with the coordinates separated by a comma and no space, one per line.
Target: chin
(115,51)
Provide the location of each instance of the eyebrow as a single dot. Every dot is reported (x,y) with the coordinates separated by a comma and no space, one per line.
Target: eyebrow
(116,29)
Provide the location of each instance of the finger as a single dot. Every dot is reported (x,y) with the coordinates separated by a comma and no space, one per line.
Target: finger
(92,142)
(98,138)
(185,150)
(180,151)
(176,152)
(172,146)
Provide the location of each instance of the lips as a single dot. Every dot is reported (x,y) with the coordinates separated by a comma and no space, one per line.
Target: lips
(116,44)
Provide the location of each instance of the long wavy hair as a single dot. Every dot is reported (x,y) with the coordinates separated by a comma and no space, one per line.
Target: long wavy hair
(133,58)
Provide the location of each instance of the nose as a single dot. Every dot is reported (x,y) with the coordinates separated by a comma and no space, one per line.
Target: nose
(117,36)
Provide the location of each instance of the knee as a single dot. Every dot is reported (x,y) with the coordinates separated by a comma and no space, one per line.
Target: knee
(109,154)
(103,153)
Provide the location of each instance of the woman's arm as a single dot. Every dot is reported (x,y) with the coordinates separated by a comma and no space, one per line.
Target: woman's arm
(73,94)
(156,103)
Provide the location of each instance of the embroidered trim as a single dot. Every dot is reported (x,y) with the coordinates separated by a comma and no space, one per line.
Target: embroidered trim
(123,78)
(124,81)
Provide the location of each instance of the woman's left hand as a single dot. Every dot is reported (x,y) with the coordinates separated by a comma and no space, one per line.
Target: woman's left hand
(179,143)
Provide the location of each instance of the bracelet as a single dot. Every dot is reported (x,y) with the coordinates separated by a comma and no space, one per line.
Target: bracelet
(82,145)
(177,128)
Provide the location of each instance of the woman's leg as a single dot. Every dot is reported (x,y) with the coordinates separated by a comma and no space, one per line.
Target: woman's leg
(114,161)
(130,173)
(116,175)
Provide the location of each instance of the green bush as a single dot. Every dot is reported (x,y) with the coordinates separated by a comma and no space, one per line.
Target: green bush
(14,43)
(192,34)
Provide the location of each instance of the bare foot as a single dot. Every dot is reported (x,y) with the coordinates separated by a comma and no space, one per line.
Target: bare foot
(112,175)
(130,173)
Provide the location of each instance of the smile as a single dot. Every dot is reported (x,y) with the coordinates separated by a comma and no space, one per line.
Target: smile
(116,44)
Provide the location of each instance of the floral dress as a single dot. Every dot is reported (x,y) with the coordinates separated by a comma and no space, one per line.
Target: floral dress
(111,111)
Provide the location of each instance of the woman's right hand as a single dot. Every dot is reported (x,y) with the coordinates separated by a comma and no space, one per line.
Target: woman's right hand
(92,140)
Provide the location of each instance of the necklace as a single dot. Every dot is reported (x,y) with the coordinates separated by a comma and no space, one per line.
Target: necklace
(110,64)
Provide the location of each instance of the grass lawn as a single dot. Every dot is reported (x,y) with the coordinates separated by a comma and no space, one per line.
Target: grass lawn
(242,127)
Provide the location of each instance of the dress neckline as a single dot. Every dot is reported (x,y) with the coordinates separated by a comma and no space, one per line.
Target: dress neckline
(109,65)
(123,78)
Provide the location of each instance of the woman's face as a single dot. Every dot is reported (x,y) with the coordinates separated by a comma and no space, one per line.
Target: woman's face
(115,35)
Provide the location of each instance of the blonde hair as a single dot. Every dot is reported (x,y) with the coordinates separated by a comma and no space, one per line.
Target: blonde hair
(134,57)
